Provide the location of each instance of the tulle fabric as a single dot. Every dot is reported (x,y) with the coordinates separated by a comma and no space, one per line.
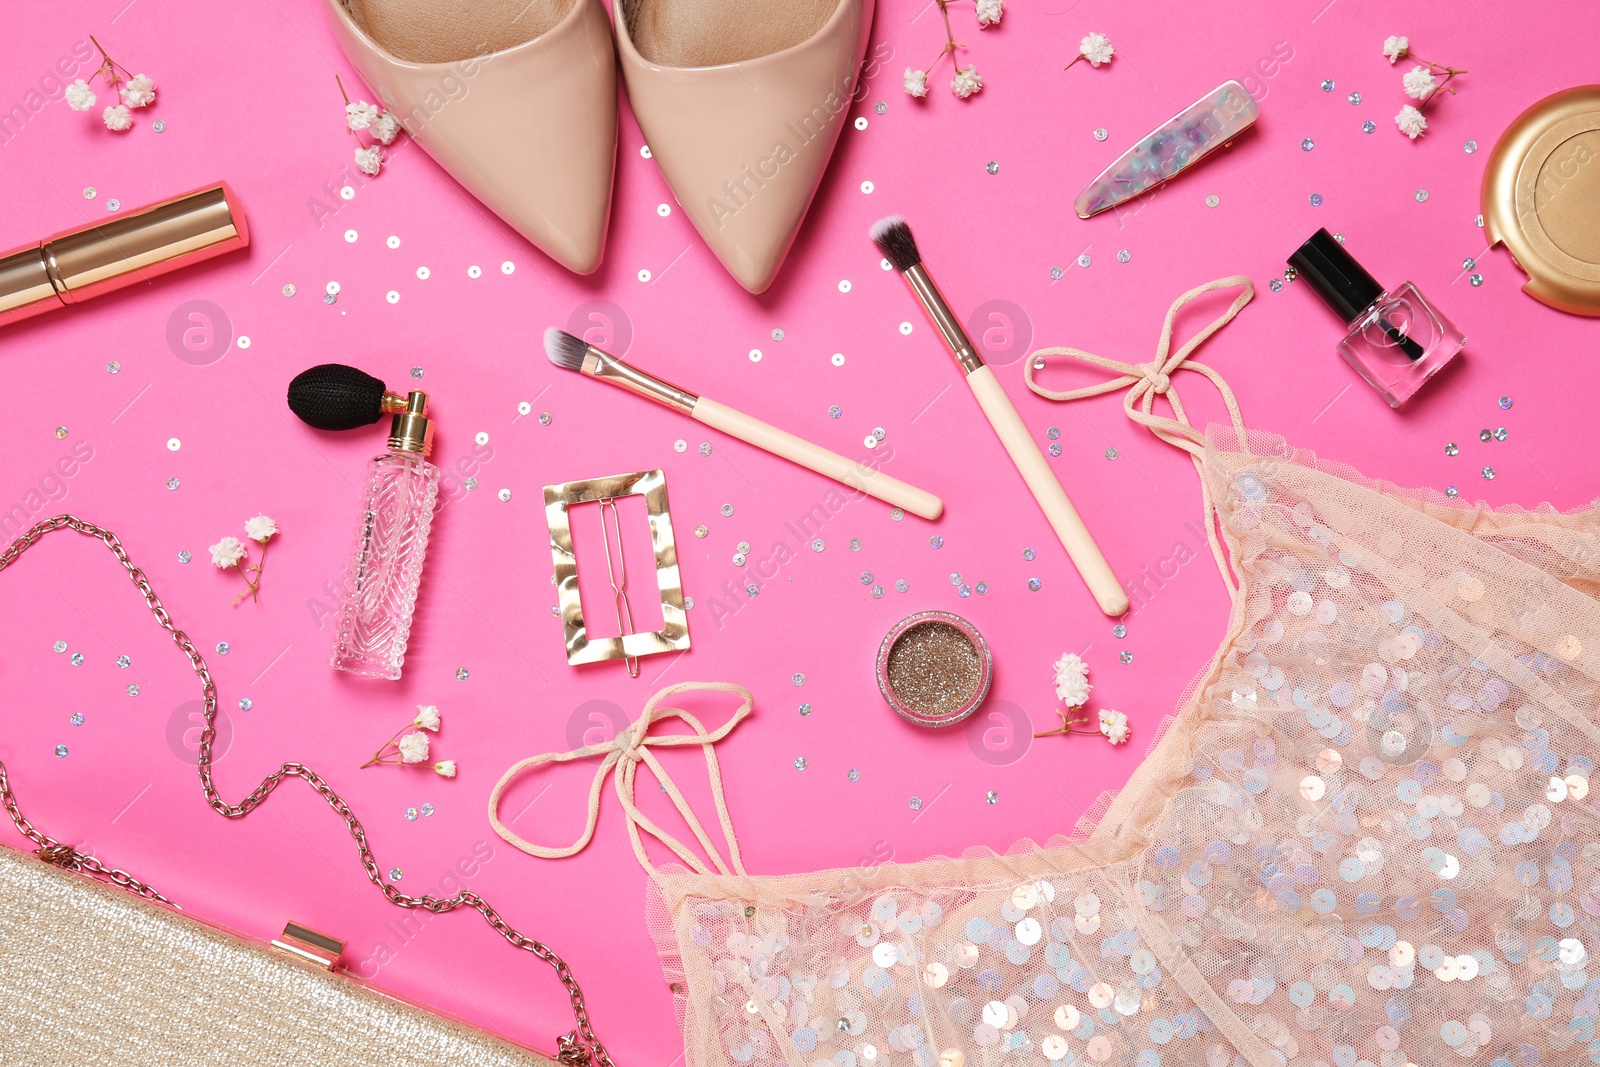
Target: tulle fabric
(1367,837)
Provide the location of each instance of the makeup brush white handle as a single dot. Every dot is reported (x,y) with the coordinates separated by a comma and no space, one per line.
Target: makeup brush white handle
(1030,462)
(798,450)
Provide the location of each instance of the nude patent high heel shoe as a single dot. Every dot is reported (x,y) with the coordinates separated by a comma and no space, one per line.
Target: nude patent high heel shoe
(516,100)
(741,102)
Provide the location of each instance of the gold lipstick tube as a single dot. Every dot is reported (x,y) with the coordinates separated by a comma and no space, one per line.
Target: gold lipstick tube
(79,264)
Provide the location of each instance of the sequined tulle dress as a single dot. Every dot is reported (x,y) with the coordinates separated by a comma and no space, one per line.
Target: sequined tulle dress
(1366,839)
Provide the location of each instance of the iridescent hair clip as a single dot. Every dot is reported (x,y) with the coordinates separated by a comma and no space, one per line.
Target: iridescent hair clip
(1171,148)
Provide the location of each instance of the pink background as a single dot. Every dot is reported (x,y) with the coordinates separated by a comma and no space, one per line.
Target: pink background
(248,95)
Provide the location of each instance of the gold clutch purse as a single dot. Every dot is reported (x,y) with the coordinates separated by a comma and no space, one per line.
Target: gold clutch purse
(97,977)
(100,970)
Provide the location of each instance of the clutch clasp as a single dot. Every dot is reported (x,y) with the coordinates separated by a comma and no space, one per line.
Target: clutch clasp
(309,945)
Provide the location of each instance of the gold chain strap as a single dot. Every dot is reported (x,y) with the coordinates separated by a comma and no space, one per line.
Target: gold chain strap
(579,1048)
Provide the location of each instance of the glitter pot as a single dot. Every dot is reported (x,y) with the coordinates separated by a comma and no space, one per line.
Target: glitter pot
(934,668)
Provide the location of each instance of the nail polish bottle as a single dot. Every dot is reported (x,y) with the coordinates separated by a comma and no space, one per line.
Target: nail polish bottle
(1397,339)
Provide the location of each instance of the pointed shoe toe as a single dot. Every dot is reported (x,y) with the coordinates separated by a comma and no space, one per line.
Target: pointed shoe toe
(743,144)
(528,127)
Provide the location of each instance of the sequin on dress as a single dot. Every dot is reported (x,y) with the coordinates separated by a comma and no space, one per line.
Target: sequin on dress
(1366,840)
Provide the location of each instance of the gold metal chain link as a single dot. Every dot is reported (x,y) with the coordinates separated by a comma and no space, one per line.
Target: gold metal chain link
(576,1049)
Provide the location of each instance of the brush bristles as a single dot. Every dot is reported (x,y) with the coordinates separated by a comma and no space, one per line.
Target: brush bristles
(565,350)
(894,240)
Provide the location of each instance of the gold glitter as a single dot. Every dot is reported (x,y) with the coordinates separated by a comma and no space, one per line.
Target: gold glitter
(934,669)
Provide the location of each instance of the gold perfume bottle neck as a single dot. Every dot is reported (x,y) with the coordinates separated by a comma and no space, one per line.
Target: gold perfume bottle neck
(412,430)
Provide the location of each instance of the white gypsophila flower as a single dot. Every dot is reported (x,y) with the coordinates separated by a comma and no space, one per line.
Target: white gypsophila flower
(385,128)
(1411,122)
(227,552)
(360,115)
(79,96)
(260,528)
(369,160)
(916,82)
(1396,48)
(413,748)
(140,91)
(445,768)
(1072,680)
(117,118)
(989,12)
(1096,48)
(1419,82)
(967,82)
(1114,725)
(427,717)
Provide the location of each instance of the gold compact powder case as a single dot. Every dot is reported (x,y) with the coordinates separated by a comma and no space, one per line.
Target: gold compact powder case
(1541,198)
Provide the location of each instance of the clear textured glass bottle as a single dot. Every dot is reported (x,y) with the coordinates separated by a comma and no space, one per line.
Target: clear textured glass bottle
(1397,339)
(385,570)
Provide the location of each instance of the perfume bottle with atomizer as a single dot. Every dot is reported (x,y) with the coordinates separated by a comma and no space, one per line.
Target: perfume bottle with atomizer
(398,498)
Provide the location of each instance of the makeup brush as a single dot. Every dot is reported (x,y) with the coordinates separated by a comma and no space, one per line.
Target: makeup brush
(576,354)
(894,240)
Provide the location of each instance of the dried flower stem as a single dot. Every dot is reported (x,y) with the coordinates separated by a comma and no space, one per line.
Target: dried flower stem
(1067,724)
(951,44)
(108,67)
(380,757)
(354,133)
(1436,68)
(253,585)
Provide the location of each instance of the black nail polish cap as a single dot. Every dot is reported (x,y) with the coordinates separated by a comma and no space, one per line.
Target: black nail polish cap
(1343,284)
